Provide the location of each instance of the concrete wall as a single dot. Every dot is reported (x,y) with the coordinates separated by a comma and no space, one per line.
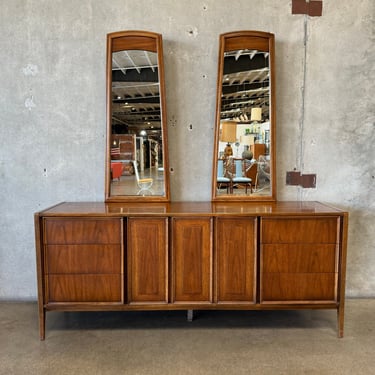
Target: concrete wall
(52,109)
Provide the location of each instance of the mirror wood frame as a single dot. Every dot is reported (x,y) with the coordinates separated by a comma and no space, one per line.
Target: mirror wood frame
(152,42)
(252,40)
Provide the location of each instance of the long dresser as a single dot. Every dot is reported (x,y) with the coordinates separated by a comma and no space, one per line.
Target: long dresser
(191,255)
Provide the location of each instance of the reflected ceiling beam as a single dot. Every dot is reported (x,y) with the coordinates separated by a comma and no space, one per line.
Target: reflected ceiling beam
(149,60)
(134,65)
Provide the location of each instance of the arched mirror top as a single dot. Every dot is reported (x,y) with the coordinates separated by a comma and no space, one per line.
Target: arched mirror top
(137,149)
(244,148)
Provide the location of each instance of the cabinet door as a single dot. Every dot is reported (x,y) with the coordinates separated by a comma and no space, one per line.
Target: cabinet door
(192,260)
(147,260)
(83,260)
(299,259)
(236,260)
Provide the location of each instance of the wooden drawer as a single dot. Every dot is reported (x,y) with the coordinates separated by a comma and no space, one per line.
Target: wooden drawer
(67,259)
(60,231)
(84,288)
(294,258)
(300,230)
(298,287)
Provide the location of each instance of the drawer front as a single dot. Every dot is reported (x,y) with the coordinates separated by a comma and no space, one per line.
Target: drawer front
(84,288)
(71,259)
(298,287)
(59,231)
(300,230)
(292,258)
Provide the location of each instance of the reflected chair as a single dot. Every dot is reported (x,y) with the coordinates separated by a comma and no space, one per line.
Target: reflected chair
(144,184)
(221,180)
(116,170)
(239,178)
(251,171)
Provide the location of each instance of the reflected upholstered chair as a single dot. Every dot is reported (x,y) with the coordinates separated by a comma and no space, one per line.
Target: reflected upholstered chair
(116,170)
(221,180)
(239,178)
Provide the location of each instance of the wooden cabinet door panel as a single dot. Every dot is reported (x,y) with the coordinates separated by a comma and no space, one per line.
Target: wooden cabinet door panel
(192,260)
(236,260)
(61,231)
(294,258)
(84,288)
(300,230)
(147,260)
(66,259)
(298,287)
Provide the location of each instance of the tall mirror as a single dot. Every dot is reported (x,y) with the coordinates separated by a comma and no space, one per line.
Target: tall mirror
(137,150)
(244,147)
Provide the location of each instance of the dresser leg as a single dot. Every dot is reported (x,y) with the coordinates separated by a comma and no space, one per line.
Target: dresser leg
(42,323)
(190,315)
(340,321)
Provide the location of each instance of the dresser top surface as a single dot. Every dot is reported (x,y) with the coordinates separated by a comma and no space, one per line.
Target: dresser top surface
(190,208)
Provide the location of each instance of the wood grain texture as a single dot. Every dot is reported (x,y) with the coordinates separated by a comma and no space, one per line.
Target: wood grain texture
(147,260)
(236,259)
(192,260)
(294,258)
(84,288)
(189,255)
(302,287)
(300,230)
(61,231)
(83,259)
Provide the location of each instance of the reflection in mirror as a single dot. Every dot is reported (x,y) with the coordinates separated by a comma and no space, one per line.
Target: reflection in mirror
(137,160)
(244,156)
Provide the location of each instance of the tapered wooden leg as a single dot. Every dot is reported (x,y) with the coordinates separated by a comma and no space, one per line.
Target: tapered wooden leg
(340,321)
(42,323)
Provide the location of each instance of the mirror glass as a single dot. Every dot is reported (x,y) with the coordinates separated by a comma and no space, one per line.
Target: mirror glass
(244,155)
(137,160)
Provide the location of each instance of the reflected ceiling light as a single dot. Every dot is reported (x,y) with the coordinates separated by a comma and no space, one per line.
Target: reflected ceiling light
(143,133)
(256,114)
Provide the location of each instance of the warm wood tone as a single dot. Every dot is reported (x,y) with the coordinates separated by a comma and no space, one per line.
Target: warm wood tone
(83,259)
(82,231)
(189,255)
(258,149)
(84,288)
(293,258)
(147,260)
(300,230)
(299,259)
(298,287)
(236,259)
(192,260)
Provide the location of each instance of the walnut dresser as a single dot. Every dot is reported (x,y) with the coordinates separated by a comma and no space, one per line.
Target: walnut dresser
(191,255)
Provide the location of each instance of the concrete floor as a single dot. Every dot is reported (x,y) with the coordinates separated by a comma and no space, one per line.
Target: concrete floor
(216,342)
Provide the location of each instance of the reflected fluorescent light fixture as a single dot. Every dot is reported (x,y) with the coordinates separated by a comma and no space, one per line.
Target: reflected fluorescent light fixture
(256,114)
